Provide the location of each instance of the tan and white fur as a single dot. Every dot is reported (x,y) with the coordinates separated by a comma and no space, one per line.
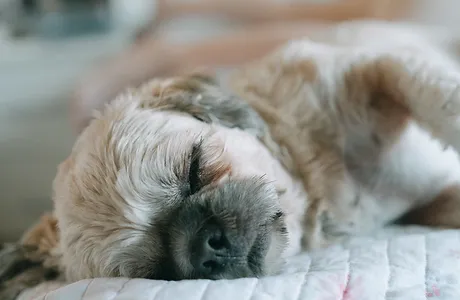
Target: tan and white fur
(364,121)
(370,117)
(345,132)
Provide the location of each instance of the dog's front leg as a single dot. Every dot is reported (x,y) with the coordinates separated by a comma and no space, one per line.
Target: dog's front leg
(429,88)
(425,89)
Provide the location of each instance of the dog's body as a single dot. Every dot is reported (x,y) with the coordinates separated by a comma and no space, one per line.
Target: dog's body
(344,116)
(343,134)
(339,102)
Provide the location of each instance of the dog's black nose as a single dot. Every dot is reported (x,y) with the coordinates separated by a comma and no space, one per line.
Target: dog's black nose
(211,254)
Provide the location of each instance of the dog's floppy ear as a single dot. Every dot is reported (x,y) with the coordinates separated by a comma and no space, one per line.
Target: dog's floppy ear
(199,95)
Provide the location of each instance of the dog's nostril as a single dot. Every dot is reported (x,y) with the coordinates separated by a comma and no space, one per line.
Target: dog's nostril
(210,265)
(217,242)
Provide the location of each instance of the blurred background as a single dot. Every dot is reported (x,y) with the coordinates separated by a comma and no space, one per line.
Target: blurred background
(43,50)
(47,46)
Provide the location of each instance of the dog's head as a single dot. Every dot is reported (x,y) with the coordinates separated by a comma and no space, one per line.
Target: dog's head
(171,181)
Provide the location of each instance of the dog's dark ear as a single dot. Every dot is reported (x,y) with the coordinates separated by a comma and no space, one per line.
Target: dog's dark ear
(203,77)
(20,269)
(30,262)
(200,96)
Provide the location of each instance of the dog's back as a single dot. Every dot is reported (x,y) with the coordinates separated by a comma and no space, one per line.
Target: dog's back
(348,103)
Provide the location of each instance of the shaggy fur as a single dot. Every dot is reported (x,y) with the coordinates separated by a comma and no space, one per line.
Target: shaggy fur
(328,137)
(30,262)
(362,119)
(169,164)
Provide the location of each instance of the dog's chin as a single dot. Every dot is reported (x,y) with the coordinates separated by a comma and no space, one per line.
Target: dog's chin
(234,230)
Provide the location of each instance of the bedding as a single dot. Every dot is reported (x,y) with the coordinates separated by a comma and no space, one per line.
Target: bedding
(394,263)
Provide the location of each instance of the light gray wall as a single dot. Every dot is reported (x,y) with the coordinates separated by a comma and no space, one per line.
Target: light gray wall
(35,81)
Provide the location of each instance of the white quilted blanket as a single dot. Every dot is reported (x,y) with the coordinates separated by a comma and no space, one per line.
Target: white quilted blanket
(394,264)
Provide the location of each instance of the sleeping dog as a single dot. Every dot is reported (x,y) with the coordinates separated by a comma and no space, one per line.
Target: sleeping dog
(326,138)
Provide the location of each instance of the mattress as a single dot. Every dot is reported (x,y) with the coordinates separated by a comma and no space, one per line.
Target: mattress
(397,263)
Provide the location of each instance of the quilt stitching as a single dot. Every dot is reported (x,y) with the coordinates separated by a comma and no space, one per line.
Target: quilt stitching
(251,295)
(46,296)
(87,288)
(387,253)
(122,287)
(348,275)
(205,290)
(426,265)
(162,287)
(304,281)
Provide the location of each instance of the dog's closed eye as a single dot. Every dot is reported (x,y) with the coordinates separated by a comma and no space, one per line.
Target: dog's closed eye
(206,166)
(194,178)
